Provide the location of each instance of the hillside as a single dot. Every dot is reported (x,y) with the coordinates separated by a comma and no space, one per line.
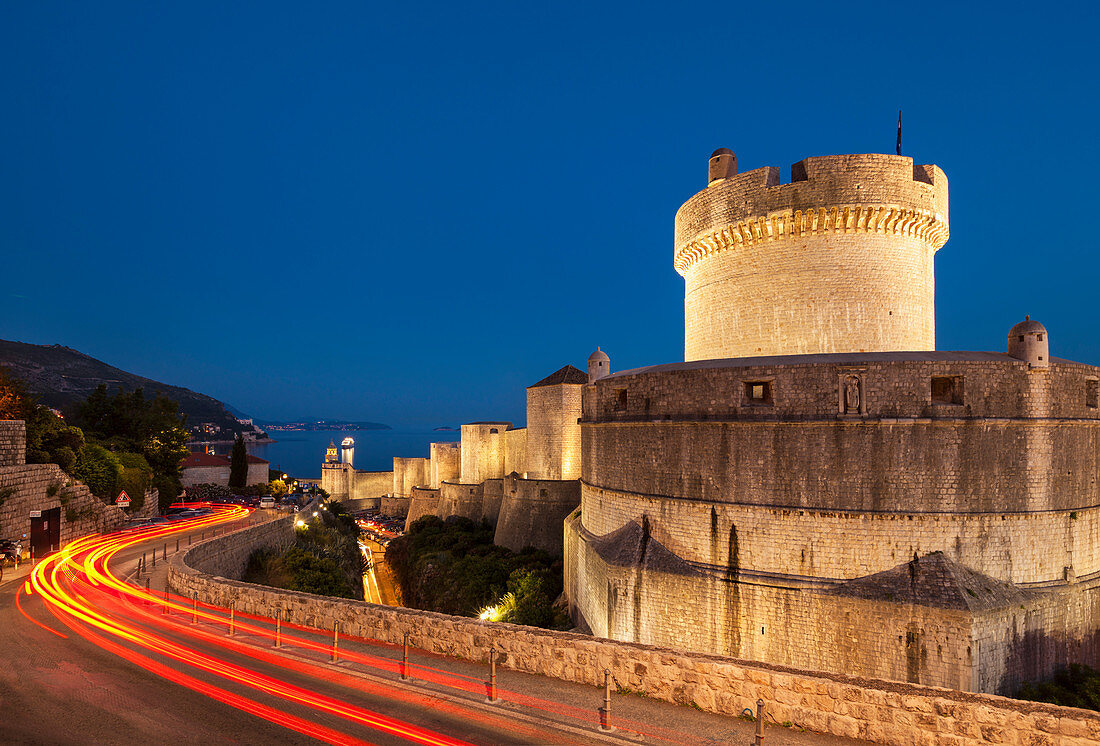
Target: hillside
(61,377)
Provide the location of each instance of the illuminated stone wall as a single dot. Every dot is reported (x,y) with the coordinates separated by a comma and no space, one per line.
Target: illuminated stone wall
(838,260)
(532,511)
(409,473)
(886,712)
(515,451)
(483,450)
(846,467)
(553,435)
(446,463)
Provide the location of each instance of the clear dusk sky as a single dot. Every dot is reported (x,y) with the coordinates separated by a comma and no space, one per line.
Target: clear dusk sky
(409,212)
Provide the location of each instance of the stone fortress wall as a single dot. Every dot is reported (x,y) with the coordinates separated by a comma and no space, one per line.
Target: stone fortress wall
(409,473)
(840,259)
(445,463)
(879,711)
(815,486)
(523,481)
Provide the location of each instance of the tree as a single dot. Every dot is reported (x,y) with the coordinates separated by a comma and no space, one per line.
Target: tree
(13,396)
(238,465)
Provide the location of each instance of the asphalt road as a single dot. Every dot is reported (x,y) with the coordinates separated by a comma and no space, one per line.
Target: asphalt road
(56,687)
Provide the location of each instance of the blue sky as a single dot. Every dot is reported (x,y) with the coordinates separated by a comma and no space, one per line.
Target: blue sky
(408,212)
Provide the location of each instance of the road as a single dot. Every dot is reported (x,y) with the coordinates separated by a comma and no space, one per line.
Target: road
(378,583)
(88,657)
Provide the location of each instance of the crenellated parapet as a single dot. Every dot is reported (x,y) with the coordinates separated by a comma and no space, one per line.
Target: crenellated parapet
(839,259)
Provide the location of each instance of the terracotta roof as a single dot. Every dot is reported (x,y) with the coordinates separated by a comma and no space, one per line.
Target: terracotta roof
(568,374)
(203,459)
(256,460)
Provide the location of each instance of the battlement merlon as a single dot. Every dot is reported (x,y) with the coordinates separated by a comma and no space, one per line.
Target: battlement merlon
(837,193)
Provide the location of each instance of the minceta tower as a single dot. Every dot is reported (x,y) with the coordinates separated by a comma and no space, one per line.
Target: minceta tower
(838,260)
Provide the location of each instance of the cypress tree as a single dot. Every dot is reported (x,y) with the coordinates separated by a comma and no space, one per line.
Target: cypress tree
(238,465)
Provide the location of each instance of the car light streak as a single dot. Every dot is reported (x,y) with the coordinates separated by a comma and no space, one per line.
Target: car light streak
(79,588)
(68,579)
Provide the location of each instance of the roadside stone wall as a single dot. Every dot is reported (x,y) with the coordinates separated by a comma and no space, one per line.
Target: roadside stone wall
(13,442)
(879,711)
(30,487)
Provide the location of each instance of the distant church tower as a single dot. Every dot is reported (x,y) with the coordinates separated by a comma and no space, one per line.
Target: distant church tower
(331,455)
(840,259)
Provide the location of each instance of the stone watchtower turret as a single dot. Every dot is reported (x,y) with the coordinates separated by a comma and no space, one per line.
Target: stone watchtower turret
(838,260)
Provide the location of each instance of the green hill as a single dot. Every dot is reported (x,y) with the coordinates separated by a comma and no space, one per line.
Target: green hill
(61,377)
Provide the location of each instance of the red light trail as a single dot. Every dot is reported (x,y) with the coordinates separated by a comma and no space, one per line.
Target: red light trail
(155,632)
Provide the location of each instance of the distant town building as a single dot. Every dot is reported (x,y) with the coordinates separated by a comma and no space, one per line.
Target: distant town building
(208,468)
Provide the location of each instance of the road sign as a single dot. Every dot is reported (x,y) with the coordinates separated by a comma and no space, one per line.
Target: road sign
(36,514)
(123,500)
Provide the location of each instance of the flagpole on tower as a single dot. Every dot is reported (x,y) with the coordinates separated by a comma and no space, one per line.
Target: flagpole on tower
(899,131)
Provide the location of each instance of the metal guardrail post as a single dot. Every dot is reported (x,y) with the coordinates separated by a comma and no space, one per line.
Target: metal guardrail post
(405,659)
(154,557)
(164,609)
(335,641)
(492,675)
(278,627)
(759,723)
(232,612)
(195,610)
(177,543)
(605,711)
(147,591)
(163,552)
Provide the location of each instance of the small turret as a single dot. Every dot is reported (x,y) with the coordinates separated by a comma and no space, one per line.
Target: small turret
(722,165)
(599,365)
(1028,341)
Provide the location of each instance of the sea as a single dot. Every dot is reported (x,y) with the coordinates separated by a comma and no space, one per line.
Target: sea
(300,453)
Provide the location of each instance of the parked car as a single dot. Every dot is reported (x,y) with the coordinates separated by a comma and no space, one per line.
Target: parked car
(267,502)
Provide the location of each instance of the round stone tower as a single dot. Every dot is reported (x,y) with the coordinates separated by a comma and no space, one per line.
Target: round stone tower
(1028,341)
(838,260)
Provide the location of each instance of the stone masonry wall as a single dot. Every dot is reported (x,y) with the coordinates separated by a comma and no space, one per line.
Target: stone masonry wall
(483,449)
(879,711)
(515,451)
(397,507)
(848,246)
(532,511)
(839,545)
(409,473)
(553,435)
(13,443)
(44,486)
(423,502)
(371,485)
(446,464)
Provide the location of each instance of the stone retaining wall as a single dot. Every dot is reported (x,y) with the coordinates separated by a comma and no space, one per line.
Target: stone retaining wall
(876,710)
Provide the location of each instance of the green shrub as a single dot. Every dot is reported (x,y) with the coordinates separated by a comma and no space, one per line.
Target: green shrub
(99,469)
(1076,685)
